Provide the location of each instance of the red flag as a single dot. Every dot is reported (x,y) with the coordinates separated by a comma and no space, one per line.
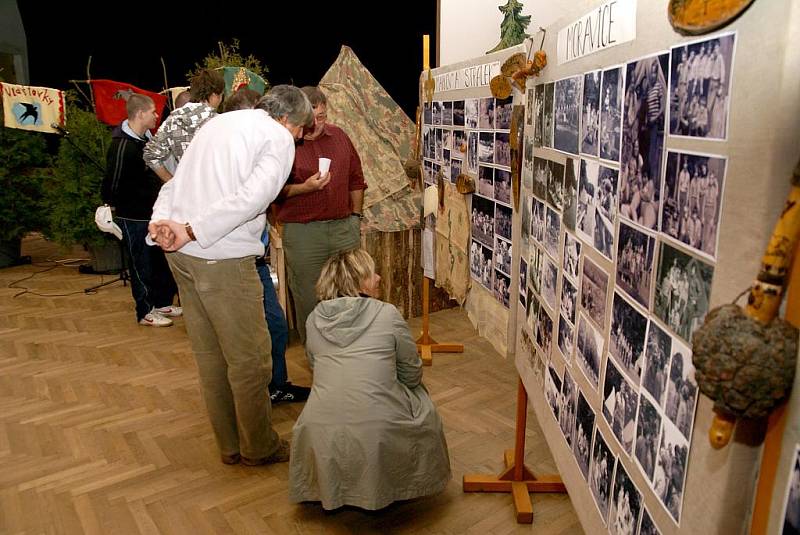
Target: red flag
(110,98)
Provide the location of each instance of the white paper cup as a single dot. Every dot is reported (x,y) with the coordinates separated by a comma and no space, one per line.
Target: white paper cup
(324,165)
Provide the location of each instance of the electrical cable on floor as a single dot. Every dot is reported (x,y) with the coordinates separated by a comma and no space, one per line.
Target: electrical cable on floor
(68,262)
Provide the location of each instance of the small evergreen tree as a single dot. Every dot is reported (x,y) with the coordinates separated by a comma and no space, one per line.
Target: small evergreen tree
(229,56)
(73,193)
(512,29)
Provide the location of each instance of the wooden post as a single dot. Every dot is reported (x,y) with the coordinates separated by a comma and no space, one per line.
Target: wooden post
(776,425)
(516,478)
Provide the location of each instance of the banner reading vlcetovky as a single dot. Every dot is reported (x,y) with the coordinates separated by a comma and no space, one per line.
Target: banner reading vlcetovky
(32,108)
(610,24)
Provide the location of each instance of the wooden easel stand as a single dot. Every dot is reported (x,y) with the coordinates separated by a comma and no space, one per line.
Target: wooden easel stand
(426,345)
(516,478)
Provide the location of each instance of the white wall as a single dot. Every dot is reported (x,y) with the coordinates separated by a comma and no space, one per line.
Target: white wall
(468,28)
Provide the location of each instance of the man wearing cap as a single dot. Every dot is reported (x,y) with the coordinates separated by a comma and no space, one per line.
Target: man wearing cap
(320,218)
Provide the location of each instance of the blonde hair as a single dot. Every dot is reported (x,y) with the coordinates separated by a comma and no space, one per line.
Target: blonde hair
(343,274)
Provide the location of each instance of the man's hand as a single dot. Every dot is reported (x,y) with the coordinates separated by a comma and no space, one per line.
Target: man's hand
(170,235)
(316,182)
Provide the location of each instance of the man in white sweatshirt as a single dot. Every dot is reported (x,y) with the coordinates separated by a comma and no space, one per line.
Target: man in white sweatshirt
(211,216)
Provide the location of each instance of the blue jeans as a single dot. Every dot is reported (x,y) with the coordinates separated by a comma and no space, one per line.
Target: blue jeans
(278,328)
(152,284)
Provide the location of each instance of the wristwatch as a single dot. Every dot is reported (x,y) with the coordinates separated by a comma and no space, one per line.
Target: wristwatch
(190,232)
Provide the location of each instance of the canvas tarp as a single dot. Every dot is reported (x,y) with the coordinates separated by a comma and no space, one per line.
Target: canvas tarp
(382,134)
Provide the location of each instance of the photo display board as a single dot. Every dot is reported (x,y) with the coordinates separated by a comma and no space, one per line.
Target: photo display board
(629,162)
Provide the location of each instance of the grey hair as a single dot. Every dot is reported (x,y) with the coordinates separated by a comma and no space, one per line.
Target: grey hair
(289,102)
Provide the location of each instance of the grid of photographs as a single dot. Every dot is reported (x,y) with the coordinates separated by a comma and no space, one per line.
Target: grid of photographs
(619,286)
(471,136)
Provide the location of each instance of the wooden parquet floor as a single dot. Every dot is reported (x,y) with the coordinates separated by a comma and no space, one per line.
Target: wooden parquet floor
(102,428)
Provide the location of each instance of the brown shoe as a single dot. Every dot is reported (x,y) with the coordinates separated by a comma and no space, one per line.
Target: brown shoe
(231,459)
(280,455)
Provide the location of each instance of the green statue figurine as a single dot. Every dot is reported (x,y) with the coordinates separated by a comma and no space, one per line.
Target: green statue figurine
(512,29)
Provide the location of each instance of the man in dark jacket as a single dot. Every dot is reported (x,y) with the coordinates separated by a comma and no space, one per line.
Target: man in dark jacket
(132,188)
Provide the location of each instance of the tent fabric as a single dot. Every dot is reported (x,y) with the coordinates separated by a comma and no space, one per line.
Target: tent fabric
(382,134)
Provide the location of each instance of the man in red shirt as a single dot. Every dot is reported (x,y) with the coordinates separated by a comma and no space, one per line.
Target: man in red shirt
(321,215)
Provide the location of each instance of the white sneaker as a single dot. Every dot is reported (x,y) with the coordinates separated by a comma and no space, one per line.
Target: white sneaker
(170,311)
(154,319)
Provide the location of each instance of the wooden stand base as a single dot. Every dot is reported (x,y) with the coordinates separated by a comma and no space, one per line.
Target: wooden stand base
(516,478)
(426,345)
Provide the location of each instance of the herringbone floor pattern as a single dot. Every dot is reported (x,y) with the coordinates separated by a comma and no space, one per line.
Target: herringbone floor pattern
(102,429)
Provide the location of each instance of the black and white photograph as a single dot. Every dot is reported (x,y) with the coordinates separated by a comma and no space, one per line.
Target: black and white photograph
(455,169)
(683,289)
(502,222)
(530,111)
(523,280)
(502,256)
(572,256)
(647,526)
(527,164)
(427,114)
(552,232)
(459,144)
(437,112)
(538,370)
(693,200)
(590,114)
(681,389)
(427,171)
(535,269)
(547,116)
(502,113)
(472,153)
(594,289)
(471,113)
(427,142)
(502,149)
(569,300)
(525,221)
(619,405)
(590,349)
(567,114)
(447,113)
(555,185)
(570,195)
(538,221)
(601,470)
(435,169)
(502,186)
(538,127)
(486,113)
(790,518)
(635,260)
(531,312)
(584,429)
(447,141)
(549,281)
(446,164)
(486,147)
(458,113)
(569,406)
(700,88)
(502,288)
(566,337)
(597,206)
(643,140)
(611,114)
(483,220)
(552,389)
(541,174)
(626,341)
(626,503)
(544,331)
(486,181)
(656,362)
(480,264)
(648,424)
(439,144)
(670,472)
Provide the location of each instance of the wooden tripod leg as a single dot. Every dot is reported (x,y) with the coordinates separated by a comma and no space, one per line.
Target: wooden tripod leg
(426,345)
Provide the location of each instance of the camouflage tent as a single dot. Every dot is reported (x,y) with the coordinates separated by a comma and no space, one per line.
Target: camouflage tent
(382,133)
